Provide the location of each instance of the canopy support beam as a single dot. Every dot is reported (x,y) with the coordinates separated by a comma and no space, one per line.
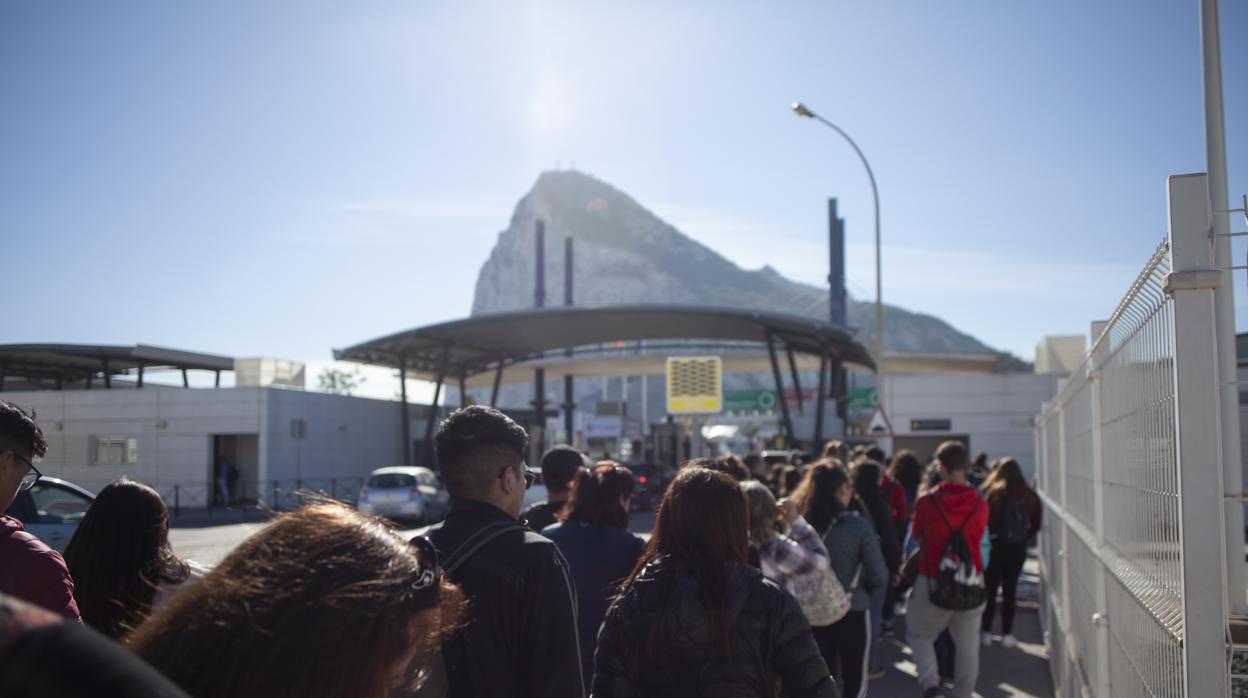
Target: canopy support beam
(820,400)
(427,458)
(498,379)
(405,421)
(790,439)
(797,382)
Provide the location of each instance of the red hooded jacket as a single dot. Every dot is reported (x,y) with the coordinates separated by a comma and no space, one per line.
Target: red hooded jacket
(33,572)
(963,509)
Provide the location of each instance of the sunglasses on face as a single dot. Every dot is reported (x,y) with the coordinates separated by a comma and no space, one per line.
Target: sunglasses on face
(529,476)
(32,474)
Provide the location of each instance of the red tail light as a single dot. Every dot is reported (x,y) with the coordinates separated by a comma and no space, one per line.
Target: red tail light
(641,479)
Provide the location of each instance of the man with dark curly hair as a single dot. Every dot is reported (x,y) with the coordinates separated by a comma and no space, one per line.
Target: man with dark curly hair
(520,637)
(29,569)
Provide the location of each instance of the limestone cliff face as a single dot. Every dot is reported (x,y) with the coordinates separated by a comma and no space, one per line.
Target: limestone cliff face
(626,254)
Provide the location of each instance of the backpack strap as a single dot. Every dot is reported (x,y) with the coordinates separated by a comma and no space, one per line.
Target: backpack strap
(936,503)
(477,541)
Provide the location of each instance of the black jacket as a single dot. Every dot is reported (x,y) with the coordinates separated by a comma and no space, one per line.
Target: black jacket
(520,638)
(541,515)
(772,651)
(885,530)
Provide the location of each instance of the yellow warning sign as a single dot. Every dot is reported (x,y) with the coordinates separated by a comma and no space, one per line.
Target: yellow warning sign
(695,385)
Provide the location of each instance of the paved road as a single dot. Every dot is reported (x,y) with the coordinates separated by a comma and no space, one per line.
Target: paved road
(209,544)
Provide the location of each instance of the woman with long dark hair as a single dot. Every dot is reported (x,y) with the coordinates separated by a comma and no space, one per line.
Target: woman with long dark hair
(825,498)
(121,561)
(1014,514)
(324,601)
(693,619)
(907,471)
(593,537)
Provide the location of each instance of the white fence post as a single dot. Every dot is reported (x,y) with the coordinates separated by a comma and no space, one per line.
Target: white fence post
(1100,618)
(1070,659)
(1197,412)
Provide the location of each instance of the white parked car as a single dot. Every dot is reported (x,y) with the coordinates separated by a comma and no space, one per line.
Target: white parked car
(51,510)
(405,492)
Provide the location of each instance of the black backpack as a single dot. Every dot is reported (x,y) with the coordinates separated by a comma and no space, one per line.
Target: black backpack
(957,586)
(1014,520)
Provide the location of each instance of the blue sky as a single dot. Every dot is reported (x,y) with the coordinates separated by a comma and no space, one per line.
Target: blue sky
(282,178)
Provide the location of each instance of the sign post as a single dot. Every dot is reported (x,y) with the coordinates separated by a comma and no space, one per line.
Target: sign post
(695,386)
(879,426)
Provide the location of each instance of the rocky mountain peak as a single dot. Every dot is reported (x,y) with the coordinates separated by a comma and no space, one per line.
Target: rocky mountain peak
(624,253)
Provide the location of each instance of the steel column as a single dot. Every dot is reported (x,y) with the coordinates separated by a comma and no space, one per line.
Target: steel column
(790,439)
(186,380)
(108,374)
(797,383)
(539,406)
(820,399)
(838,377)
(140,385)
(463,391)
(1224,302)
(569,405)
(427,458)
(498,379)
(404,419)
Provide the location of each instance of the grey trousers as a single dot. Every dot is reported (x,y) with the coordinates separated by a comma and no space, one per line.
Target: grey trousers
(924,621)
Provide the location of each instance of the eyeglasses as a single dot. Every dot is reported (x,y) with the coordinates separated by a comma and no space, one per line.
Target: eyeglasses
(529,476)
(32,475)
(427,562)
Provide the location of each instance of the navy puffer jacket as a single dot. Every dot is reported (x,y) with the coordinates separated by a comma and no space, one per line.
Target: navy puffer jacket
(658,640)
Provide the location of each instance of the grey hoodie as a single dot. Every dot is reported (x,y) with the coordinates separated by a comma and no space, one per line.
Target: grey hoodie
(852,544)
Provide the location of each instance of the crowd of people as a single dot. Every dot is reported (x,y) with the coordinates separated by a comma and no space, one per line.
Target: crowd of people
(755,581)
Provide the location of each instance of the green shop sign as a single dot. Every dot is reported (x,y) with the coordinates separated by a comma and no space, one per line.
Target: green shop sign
(749,400)
(861,399)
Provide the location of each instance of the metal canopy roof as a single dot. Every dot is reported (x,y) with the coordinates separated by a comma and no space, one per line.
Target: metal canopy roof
(81,361)
(478,344)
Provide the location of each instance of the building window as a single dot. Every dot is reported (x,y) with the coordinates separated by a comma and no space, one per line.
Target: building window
(114,450)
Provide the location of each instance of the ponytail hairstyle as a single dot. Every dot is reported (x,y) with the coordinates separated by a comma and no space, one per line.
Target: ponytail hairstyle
(816,497)
(598,496)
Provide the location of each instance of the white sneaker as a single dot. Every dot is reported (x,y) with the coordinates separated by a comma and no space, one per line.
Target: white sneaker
(985,639)
(1009,641)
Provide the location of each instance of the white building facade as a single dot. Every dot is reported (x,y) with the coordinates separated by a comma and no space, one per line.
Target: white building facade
(990,412)
(274,440)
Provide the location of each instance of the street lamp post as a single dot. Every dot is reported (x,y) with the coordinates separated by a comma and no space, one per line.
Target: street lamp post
(801,110)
